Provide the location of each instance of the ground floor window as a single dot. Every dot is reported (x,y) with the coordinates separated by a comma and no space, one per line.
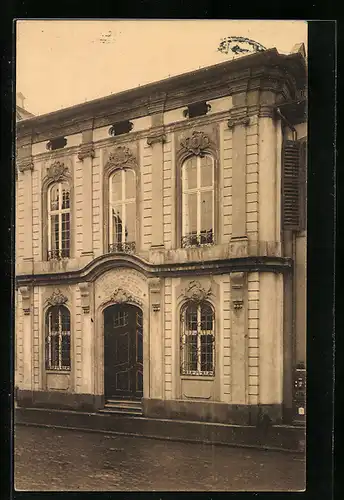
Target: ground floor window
(57,339)
(197,339)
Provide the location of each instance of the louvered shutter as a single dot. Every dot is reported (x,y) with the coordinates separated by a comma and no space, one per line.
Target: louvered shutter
(291,186)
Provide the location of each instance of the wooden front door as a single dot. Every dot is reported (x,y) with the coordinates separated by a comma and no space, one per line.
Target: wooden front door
(123,352)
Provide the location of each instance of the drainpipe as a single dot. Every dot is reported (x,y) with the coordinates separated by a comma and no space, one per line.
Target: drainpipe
(293,252)
(289,125)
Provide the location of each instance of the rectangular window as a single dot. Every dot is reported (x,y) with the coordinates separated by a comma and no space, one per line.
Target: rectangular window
(198,201)
(197,340)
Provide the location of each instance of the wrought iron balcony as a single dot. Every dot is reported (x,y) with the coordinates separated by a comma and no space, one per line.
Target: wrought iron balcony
(198,240)
(123,247)
(58,254)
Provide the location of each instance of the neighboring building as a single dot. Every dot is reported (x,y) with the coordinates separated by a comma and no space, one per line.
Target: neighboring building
(21,112)
(161,246)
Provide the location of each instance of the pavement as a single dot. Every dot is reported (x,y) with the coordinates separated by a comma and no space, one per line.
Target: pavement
(52,459)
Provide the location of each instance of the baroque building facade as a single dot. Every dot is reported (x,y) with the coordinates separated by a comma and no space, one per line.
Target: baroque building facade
(160,247)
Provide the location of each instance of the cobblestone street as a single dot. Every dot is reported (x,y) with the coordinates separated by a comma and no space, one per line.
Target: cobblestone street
(67,460)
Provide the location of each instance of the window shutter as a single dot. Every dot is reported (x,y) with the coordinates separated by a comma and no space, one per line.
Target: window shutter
(291,186)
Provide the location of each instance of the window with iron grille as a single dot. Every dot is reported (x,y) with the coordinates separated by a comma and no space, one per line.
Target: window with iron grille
(122,215)
(198,201)
(197,339)
(59,221)
(57,339)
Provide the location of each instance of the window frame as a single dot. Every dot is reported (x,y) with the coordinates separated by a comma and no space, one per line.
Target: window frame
(123,245)
(185,371)
(198,190)
(60,333)
(58,254)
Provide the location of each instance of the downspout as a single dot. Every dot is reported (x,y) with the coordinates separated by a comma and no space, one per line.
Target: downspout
(293,251)
(289,125)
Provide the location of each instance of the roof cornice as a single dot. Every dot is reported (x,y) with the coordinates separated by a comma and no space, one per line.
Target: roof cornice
(213,81)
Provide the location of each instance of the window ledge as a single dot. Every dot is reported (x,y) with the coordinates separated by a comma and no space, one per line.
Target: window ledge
(197,377)
(58,372)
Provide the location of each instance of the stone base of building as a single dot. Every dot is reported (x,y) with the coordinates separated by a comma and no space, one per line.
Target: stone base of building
(274,437)
(58,400)
(205,411)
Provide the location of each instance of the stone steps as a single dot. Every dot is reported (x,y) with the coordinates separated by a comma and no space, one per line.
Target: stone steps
(121,406)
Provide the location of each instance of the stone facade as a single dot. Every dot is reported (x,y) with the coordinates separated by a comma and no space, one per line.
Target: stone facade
(254,270)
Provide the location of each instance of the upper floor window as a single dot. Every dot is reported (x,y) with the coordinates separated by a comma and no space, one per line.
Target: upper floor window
(59,221)
(197,339)
(122,215)
(198,201)
(57,339)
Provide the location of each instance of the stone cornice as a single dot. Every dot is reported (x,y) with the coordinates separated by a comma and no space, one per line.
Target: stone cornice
(225,78)
(104,263)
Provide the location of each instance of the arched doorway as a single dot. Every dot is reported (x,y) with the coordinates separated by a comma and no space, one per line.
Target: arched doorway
(123,352)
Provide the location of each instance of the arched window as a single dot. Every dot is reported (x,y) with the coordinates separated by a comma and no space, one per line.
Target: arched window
(57,339)
(122,216)
(198,201)
(59,221)
(197,339)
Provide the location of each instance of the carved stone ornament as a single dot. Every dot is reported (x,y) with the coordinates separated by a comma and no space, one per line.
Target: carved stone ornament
(196,144)
(120,296)
(195,292)
(155,293)
(57,298)
(25,164)
(156,136)
(121,157)
(85,297)
(26,299)
(57,171)
(238,247)
(244,120)
(86,151)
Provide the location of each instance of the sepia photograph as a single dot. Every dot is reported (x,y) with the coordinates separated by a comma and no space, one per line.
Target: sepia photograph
(160,255)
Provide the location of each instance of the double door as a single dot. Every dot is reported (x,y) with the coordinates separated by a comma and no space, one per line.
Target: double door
(123,352)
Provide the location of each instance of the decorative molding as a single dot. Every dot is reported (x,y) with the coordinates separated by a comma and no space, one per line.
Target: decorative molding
(121,157)
(245,120)
(155,293)
(25,164)
(26,299)
(195,292)
(85,297)
(57,171)
(195,144)
(86,151)
(237,281)
(57,298)
(238,247)
(156,136)
(120,296)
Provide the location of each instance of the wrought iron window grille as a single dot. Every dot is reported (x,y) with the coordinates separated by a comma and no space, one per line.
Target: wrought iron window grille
(197,341)
(128,247)
(205,238)
(58,254)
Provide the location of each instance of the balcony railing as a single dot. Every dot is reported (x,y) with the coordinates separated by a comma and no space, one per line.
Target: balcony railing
(123,247)
(198,240)
(58,254)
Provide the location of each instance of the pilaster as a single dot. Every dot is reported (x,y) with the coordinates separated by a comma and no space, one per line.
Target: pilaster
(156,329)
(26,293)
(239,358)
(86,155)
(87,340)
(25,167)
(156,139)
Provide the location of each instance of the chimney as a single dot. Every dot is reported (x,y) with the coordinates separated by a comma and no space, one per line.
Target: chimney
(20,100)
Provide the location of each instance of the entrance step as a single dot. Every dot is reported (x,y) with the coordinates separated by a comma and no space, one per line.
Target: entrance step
(126,407)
